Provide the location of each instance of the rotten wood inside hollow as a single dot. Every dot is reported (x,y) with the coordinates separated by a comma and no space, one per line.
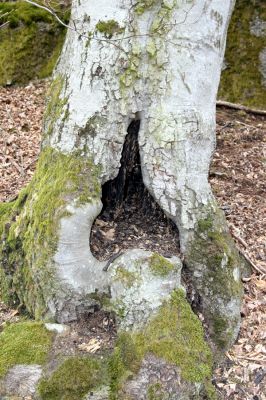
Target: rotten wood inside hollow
(130,217)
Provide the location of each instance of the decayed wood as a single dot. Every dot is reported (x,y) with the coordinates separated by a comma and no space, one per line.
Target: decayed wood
(221,103)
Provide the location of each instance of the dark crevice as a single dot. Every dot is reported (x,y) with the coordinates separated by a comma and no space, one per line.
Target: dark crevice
(130,217)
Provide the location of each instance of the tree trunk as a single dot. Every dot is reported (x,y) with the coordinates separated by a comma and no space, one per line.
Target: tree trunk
(156,63)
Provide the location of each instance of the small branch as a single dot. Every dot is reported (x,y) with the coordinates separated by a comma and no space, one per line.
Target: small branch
(51,12)
(239,239)
(221,103)
(254,266)
(70,27)
(6,23)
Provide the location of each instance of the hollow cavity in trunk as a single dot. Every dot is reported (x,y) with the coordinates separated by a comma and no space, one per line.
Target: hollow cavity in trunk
(130,217)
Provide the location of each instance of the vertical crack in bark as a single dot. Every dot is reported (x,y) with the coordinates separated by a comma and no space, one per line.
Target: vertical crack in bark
(130,217)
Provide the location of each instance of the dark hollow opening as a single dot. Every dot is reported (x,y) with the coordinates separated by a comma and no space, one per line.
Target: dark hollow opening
(130,217)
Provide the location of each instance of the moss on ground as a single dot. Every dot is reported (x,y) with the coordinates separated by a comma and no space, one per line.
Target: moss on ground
(175,334)
(29,231)
(241,81)
(160,266)
(29,44)
(74,378)
(24,343)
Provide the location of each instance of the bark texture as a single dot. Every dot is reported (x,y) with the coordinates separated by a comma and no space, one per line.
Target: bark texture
(157,62)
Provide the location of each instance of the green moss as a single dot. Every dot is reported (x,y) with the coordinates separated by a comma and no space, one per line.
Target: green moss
(205,224)
(155,392)
(159,265)
(209,391)
(214,252)
(29,44)
(5,209)
(221,333)
(215,248)
(47,69)
(56,104)
(144,5)
(116,370)
(74,378)
(241,81)
(175,334)
(109,28)
(23,343)
(119,308)
(126,277)
(22,12)
(29,237)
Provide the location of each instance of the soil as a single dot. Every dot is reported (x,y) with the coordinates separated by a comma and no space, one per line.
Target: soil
(238,178)
(95,333)
(130,217)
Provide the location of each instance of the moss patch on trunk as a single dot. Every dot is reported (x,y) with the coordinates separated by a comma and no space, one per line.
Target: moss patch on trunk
(29,44)
(29,226)
(215,267)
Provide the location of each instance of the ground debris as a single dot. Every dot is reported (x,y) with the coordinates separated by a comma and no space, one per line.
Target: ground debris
(21,112)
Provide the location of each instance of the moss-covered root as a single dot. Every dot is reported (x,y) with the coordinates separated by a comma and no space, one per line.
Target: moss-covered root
(29,227)
(171,346)
(24,343)
(215,270)
(73,379)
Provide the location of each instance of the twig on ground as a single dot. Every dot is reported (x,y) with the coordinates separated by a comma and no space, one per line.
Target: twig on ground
(258,269)
(221,103)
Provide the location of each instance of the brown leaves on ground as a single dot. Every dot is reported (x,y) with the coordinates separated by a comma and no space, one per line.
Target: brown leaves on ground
(238,178)
(21,112)
(243,374)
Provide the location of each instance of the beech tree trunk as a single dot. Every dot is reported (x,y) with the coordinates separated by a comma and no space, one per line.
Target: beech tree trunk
(153,61)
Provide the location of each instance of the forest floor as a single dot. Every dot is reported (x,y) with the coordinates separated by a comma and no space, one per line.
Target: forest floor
(238,179)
